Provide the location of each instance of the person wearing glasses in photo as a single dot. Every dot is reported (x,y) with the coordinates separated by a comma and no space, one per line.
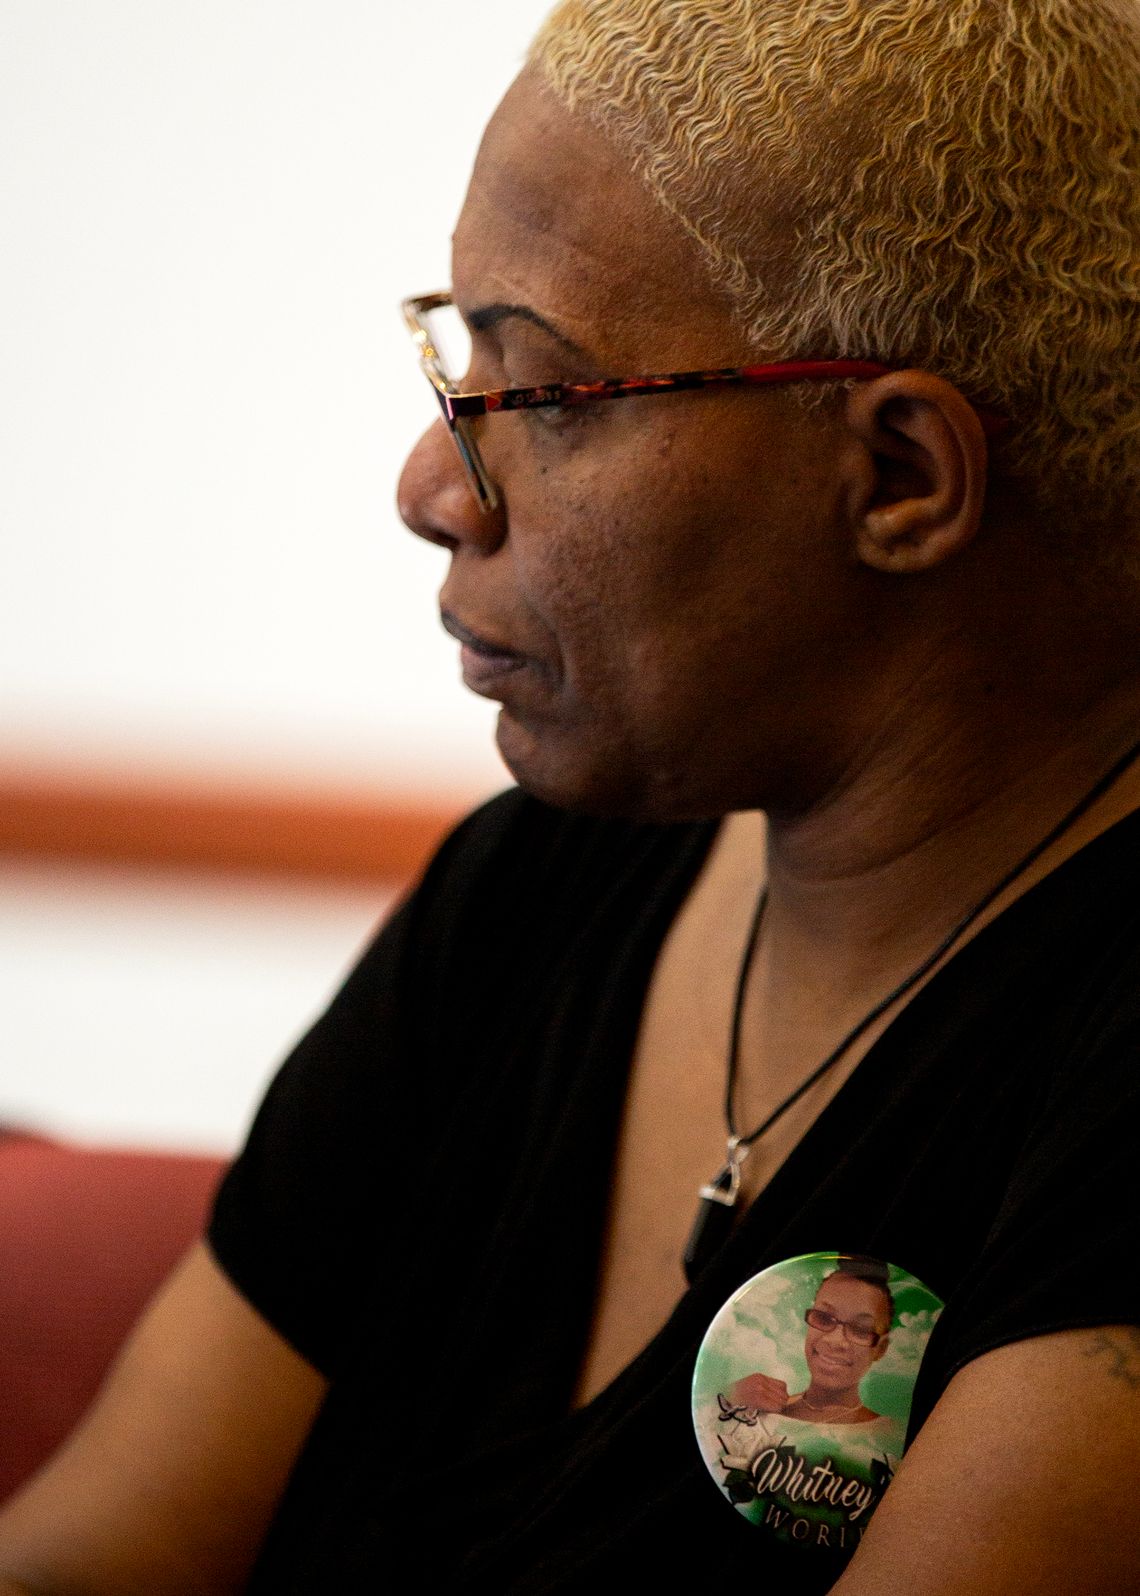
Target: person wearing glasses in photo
(787,470)
(848,1331)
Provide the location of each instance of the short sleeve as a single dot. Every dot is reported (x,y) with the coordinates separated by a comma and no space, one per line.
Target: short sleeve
(1062,1251)
(306,1217)
(285,1222)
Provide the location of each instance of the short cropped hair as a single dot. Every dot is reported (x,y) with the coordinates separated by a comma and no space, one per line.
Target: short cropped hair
(952,184)
(871,1272)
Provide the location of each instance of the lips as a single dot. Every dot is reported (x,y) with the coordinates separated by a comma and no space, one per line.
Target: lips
(831,1365)
(484,660)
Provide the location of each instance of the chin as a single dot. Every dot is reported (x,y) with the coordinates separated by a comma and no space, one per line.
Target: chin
(561,772)
(575,774)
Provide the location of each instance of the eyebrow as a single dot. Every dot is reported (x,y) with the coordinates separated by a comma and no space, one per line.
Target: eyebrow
(488,316)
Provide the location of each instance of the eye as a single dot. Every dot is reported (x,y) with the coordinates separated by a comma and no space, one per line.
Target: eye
(563,419)
(559,418)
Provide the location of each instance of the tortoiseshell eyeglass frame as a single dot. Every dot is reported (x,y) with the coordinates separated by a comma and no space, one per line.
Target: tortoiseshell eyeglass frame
(459,408)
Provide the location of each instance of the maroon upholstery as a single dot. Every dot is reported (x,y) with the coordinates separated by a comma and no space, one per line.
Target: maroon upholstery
(86,1235)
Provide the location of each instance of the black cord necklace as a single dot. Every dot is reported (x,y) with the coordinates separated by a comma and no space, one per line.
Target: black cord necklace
(716,1212)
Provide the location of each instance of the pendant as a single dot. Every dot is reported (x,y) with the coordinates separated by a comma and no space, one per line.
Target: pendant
(716,1214)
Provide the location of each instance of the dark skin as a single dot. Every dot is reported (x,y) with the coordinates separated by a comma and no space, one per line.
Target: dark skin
(917,714)
(836,1362)
(919,734)
(724,604)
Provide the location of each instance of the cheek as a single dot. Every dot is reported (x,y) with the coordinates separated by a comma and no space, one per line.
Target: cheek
(606,579)
(653,506)
(664,610)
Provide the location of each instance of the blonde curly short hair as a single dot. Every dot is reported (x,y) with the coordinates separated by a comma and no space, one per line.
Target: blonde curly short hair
(953,184)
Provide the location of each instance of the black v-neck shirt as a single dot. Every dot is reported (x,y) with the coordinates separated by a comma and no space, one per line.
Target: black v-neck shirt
(420,1206)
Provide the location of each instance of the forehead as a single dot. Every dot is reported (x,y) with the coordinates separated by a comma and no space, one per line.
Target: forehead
(853,1298)
(554,219)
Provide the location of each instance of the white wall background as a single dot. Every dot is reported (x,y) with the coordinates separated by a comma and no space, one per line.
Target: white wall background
(210,210)
(150,1009)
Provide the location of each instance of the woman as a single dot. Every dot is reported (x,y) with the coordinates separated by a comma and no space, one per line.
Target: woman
(848,1332)
(899,618)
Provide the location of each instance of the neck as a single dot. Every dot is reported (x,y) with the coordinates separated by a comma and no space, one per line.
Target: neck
(902,845)
(819,1400)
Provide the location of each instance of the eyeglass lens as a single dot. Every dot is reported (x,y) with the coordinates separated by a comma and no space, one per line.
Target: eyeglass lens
(820,1319)
(451,340)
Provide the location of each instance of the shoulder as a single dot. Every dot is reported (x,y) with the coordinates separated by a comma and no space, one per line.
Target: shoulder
(1065,1147)
(1021,1480)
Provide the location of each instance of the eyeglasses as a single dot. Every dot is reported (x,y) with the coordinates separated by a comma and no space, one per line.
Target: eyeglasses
(820,1319)
(424,314)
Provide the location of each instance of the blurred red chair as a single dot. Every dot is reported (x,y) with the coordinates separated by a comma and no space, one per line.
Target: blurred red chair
(86,1236)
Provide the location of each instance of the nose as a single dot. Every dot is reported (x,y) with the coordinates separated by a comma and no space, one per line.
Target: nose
(436,501)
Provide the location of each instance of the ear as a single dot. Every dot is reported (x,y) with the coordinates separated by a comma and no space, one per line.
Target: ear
(918,494)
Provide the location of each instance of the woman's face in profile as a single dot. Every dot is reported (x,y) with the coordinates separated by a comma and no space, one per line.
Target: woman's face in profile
(836,1360)
(656,603)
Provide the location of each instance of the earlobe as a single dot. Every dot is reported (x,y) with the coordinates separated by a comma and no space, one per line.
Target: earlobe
(920,492)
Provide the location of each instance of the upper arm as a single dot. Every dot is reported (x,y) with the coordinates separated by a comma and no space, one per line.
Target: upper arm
(168,1485)
(1023,1480)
